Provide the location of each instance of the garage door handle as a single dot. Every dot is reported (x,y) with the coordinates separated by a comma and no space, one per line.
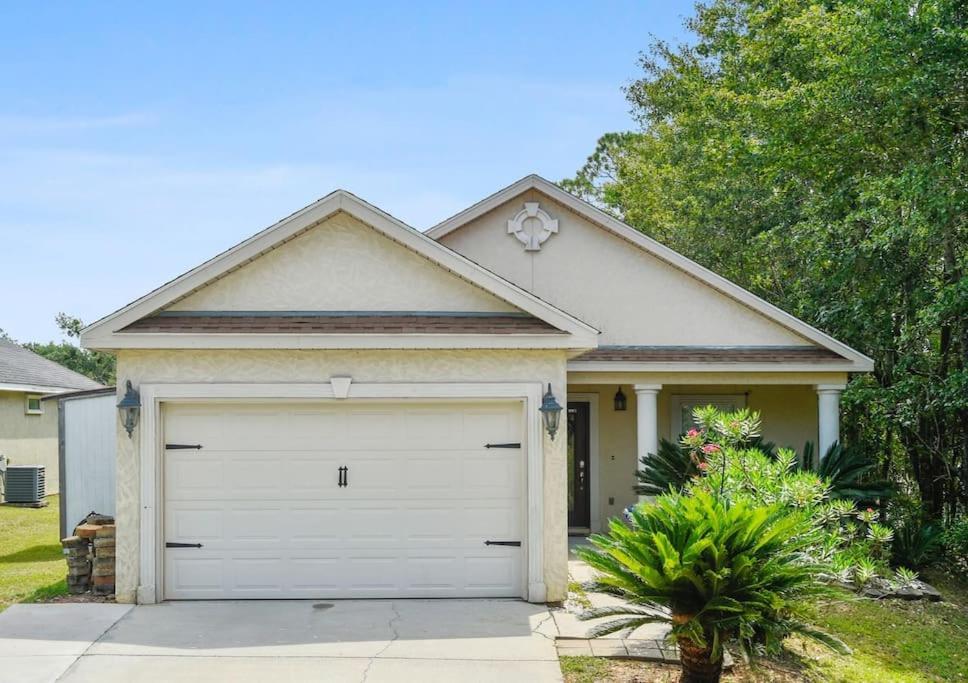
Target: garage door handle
(183,545)
(516,544)
(183,446)
(502,445)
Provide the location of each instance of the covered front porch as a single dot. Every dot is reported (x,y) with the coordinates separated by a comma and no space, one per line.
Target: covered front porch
(606,441)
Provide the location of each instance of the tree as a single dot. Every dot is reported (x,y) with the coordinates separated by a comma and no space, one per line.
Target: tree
(94,364)
(815,153)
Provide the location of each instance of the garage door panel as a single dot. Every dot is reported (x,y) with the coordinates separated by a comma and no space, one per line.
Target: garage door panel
(311,474)
(315,526)
(491,425)
(315,575)
(254,473)
(428,429)
(491,572)
(422,497)
(192,477)
(485,476)
(257,574)
(490,521)
(194,521)
(191,575)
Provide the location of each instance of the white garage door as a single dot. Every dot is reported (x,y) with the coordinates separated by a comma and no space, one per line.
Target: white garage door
(419,497)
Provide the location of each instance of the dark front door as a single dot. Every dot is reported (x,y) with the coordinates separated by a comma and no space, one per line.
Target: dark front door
(579,471)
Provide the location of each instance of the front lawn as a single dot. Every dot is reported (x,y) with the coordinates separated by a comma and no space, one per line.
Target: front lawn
(31,564)
(898,641)
(893,642)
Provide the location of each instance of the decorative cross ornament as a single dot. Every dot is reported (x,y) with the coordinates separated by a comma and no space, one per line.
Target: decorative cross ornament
(532,226)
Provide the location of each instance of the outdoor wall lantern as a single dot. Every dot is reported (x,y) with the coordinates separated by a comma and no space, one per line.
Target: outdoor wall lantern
(550,412)
(620,403)
(129,408)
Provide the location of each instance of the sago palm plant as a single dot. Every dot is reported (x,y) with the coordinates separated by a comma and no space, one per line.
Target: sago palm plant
(715,571)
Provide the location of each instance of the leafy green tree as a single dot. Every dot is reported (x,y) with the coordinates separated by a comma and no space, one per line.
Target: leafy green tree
(94,364)
(816,154)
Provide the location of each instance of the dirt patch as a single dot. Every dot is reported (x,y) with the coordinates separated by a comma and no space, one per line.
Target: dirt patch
(83,597)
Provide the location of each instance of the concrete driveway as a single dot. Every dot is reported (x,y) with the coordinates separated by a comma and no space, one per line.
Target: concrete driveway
(343,640)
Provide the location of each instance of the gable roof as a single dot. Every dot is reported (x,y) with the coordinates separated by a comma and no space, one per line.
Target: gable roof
(24,370)
(858,361)
(106,332)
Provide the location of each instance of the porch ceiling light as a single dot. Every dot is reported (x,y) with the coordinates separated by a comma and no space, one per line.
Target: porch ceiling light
(550,412)
(620,401)
(129,408)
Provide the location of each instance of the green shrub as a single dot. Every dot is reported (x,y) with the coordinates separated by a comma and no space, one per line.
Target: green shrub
(671,468)
(733,470)
(915,544)
(955,543)
(716,570)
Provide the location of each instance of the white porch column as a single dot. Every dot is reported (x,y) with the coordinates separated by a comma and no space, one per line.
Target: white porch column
(828,413)
(647,422)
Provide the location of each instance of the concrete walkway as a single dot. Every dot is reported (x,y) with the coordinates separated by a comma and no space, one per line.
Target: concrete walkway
(350,640)
(569,626)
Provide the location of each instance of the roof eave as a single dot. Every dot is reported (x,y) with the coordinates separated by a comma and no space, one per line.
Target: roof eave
(229,340)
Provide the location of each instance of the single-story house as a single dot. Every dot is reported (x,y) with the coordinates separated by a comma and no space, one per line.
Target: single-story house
(344,406)
(28,425)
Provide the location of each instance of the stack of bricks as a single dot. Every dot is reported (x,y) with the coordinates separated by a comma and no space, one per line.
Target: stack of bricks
(78,564)
(104,560)
(90,556)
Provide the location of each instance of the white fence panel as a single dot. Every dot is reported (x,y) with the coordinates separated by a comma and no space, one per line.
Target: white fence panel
(89,447)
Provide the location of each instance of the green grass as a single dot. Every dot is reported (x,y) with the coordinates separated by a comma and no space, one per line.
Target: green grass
(584,669)
(897,641)
(32,567)
(893,641)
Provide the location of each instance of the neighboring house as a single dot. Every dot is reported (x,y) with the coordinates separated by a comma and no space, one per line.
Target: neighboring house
(28,425)
(342,406)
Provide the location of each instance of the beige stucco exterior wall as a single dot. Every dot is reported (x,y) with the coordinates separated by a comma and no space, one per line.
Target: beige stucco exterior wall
(632,296)
(789,416)
(341,264)
(362,366)
(30,439)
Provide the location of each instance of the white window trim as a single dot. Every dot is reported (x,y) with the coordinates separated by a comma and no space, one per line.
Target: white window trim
(151,443)
(676,401)
(593,477)
(28,410)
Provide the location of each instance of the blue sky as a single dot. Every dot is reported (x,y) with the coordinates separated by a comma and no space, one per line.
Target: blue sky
(136,142)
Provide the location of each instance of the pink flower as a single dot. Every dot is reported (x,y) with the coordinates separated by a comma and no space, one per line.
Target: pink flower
(870,509)
(704,466)
(692,433)
(710,448)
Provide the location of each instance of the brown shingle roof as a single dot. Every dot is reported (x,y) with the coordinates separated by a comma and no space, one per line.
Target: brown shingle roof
(357,323)
(694,354)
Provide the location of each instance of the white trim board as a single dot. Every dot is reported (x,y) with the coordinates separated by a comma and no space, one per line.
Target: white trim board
(35,389)
(230,340)
(857,361)
(629,366)
(150,439)
(102,334)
